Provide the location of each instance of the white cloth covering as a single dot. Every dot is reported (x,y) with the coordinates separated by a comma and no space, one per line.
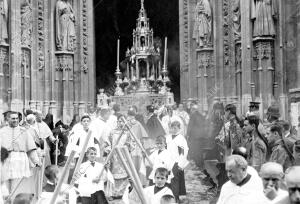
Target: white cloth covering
(162,159)
(86,186)
(154,198)
(167,120)
(172,147)
(249,193)
(100,129)
(78,136)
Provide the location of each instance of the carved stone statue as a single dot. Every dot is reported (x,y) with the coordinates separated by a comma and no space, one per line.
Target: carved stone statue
(26,23)
(65,26)
(203,24)
(236,9)
(3,22)
(263,12)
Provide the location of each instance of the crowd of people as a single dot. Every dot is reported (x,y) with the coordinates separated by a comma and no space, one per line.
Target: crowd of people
(260,156)
(34,153)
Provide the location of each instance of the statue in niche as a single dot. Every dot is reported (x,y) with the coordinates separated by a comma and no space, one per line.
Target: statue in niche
(263,13)
(236,9)
(26,23)
(203,24)
(65,26)
(3,22)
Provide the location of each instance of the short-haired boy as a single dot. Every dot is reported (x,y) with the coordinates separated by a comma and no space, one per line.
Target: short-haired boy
(178,148)
(90,186)
(159,189)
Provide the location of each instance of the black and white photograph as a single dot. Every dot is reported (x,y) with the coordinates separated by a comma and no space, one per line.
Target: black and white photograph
(150,101)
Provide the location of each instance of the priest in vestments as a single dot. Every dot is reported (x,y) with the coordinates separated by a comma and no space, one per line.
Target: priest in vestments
(22,154)
(136,153)
(241,187)
(154,126)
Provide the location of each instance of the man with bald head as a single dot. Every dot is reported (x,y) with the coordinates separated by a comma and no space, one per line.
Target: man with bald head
(292,179)
(241,187)
(272,176)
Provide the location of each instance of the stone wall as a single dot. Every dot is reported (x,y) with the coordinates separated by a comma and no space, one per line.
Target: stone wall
(39,72)
(242,63)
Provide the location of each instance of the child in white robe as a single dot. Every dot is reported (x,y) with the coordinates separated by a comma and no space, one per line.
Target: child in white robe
(161,157)
(154,193)
(90,185)
(177,146)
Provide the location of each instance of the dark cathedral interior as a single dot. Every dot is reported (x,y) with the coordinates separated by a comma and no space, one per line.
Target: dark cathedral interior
(116,19)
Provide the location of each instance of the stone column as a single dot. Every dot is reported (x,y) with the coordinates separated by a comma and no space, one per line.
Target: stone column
(4,78)
(15,59)
(295,92)
(184,34)
(246,55)
(218,91)
(204,59)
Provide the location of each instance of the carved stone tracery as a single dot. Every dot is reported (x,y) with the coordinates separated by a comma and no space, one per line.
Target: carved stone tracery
(84,67)
(41,35)
(186,43)
(26,24)
(64,62)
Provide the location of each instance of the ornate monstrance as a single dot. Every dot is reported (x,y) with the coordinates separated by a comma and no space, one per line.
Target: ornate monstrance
(144,81)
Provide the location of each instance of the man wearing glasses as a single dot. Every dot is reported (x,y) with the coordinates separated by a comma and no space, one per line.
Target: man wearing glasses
(272,176)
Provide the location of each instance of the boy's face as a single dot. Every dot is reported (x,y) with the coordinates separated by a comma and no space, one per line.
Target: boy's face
(160,179)
(91,155)
(160,145)
(174,129)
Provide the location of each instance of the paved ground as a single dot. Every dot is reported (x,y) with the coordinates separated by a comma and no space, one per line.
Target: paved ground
(197,190)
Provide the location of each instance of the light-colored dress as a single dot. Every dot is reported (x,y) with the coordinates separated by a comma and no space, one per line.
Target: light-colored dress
(18,142)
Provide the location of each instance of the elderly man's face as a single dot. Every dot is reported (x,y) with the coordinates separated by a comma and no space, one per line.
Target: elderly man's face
(13,120)
(234,173)
(271,179)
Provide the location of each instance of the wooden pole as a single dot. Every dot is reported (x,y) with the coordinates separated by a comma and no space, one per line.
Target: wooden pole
(14,190)
(138,142)
(77,167)
(62,177)
(134,173)
(111,153)
(42,170)
(128,170)
(56,149)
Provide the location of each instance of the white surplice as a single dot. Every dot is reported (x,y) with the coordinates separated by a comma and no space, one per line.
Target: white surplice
(162,159)
(172,147)
(154,198)
(249,193)
(77,139)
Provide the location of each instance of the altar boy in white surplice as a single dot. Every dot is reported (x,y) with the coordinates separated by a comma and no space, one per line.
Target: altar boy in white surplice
(177,146)
(159,189)
(161,157)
